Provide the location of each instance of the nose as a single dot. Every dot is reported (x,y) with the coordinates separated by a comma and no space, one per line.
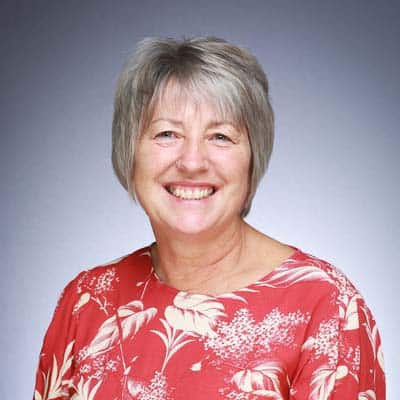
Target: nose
(193,156)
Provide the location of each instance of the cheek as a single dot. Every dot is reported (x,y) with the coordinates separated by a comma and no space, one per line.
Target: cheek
(151,162)
(235,165)
(141,170)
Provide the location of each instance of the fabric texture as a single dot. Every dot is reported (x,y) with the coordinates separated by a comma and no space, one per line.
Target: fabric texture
(301,332)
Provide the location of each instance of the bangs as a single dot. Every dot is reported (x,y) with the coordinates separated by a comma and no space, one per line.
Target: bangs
(221,94)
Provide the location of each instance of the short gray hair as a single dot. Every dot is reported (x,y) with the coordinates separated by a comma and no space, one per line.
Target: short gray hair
(226,74)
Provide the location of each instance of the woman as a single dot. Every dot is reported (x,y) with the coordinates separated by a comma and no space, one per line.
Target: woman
(213,309)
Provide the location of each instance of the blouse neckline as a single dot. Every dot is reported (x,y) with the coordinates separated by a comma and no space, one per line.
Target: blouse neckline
(161,284)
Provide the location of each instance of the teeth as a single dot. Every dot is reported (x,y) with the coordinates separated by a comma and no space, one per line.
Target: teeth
(189,194)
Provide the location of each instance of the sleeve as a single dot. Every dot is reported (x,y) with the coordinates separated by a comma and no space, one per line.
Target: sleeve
(56,357)
(342,358)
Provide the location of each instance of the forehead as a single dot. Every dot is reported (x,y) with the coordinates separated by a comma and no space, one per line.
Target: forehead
(188,100)
(184,106)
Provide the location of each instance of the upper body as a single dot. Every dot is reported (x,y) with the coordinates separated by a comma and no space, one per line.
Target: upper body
(300,332)
(192,136)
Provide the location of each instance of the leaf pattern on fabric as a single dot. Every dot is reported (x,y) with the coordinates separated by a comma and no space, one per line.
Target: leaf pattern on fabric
(84,392)
(267,379)
(132,317)
(54,384)
(119,334)
(231,296)
(323,381)
(288,275)
(373,336)
(173,340)
(350,315)
(195,313)
(367,395)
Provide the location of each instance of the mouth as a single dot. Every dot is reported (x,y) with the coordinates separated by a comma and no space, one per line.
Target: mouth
(190,193)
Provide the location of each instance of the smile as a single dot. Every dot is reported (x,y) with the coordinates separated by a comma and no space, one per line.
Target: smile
(186,193)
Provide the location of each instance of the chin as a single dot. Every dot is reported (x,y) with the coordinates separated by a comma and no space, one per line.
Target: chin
(202,223)
(192,225)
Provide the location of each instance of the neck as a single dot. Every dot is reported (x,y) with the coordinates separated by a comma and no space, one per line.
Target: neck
(200,263)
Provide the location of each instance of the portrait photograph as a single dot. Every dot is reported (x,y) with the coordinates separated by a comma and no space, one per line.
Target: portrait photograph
(200,200)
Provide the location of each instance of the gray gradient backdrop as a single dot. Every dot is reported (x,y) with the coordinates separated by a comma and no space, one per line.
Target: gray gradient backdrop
(332,188)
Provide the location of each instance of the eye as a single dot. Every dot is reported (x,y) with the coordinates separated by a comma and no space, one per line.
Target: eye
(165,135)
(221,138)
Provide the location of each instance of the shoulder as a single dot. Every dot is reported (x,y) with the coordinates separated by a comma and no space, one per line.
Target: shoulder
(305,267)
(102,280)
(342,348)
(135,259)
(296,269)
(315,284)
(330,283)
(110,270)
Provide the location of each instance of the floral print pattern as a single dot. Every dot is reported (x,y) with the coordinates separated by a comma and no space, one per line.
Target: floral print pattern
(301,332)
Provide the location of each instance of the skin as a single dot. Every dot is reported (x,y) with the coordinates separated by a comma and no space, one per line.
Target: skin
(202,245)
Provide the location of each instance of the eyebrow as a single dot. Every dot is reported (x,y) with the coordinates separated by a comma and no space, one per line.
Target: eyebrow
(171,120)
(212,124)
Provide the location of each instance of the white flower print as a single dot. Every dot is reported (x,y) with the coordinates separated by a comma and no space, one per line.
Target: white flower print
(85,368)
(156,389)
(346,290)
(325,342)
(266,379)
(351,357)
(194,313)
(278,329)
(111,365)
(234,395)
(98,284)
(96,288)
(99,367)
(54,385)
(236,340)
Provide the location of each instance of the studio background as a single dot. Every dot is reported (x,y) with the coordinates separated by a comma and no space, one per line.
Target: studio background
(332,188)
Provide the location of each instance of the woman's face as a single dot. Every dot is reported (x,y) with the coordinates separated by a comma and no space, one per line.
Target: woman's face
(191,167)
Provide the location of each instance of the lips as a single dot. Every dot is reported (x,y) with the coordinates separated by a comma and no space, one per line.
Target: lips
(190,192)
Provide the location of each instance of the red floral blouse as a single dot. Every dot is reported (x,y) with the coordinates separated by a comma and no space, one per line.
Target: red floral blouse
(301,332)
